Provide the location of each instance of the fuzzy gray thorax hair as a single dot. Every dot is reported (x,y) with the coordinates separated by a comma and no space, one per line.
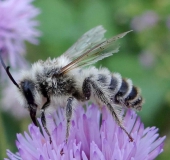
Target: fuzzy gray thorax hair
(55,85)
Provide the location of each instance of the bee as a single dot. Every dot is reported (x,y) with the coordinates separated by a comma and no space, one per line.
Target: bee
(70,79)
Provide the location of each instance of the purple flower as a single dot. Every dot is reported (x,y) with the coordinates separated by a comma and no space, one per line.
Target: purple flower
(17,25)
(168,22)
(89,140)
(144,21)
(146,59)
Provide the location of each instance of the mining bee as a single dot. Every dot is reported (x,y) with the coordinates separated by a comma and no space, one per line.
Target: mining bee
(70,79)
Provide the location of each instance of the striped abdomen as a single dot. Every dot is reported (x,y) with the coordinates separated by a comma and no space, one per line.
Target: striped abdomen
(124,93)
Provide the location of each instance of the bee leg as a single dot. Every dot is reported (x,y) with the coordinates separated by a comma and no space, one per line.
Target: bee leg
(87,88)
(69,111)
(43,119)
(100,94)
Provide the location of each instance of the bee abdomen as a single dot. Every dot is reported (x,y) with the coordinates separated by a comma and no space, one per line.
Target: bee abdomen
(115,83)
(124,93)
(134,99)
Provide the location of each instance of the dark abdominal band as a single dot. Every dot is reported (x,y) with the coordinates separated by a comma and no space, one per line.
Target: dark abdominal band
(133,99)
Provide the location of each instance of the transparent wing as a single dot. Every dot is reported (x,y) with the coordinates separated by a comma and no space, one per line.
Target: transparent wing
(88,40)
(96,53)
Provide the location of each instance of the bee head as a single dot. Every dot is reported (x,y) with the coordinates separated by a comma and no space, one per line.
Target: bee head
(27,87)
(26,90)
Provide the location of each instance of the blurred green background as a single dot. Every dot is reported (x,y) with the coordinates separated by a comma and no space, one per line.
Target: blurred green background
(144,55)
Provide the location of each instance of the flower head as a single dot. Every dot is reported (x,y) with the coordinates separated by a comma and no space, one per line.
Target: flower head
(147,19)
(168,22)
(90,138)
(17,25)
(146,59)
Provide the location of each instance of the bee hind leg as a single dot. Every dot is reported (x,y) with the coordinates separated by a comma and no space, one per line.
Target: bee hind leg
(115,111)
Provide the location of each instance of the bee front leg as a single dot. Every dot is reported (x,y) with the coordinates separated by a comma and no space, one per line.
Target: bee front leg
(69,111)
(43,119)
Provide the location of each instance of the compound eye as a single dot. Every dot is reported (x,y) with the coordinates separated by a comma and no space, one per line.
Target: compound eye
(28,90)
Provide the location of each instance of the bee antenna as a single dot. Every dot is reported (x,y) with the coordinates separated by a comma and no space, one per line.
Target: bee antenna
(7,71)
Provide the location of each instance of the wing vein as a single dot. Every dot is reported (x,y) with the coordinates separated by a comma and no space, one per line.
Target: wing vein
(95,53)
